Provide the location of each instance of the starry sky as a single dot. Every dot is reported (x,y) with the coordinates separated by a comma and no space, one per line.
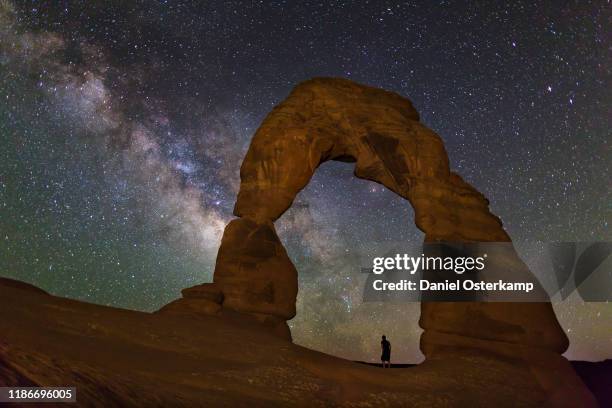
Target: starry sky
(123,125)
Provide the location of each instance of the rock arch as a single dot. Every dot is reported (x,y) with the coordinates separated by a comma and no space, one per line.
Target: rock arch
(335,119)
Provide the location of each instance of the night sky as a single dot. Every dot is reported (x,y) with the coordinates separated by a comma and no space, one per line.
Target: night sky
(123,125)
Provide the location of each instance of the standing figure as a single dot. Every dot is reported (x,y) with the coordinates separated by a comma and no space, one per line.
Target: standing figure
(385,345)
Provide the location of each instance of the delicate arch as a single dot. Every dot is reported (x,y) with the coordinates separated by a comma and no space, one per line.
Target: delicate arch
(336,119)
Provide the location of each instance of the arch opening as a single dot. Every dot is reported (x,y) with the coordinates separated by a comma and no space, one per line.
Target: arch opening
(337,223)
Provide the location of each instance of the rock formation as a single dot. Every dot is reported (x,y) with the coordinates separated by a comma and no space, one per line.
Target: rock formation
(335,119)
(124,358)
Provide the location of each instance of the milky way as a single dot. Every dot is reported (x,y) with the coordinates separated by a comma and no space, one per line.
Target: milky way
(123,128)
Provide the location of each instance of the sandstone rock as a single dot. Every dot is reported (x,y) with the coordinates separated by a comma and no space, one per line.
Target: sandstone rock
(191,306)
(336,119)
(208,291)
(254,271)
(137,359)
(253,275)
(21,285)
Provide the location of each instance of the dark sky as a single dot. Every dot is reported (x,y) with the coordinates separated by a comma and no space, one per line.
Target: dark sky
(124,123)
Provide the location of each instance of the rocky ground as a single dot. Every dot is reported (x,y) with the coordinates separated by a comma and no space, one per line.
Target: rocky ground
(119,357)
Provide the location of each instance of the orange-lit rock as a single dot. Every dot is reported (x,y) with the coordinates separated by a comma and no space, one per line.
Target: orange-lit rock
(336,119)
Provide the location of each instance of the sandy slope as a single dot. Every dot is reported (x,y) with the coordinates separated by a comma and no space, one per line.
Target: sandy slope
(125,358)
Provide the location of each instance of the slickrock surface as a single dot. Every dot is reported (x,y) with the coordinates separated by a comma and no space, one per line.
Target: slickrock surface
(121,358)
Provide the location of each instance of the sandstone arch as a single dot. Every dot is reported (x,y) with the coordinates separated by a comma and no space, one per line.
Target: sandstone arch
(335,119)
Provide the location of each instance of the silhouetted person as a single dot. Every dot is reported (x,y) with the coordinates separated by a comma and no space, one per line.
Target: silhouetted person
(385,346)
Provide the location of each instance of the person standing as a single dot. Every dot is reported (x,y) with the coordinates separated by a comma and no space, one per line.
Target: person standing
(385,346)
